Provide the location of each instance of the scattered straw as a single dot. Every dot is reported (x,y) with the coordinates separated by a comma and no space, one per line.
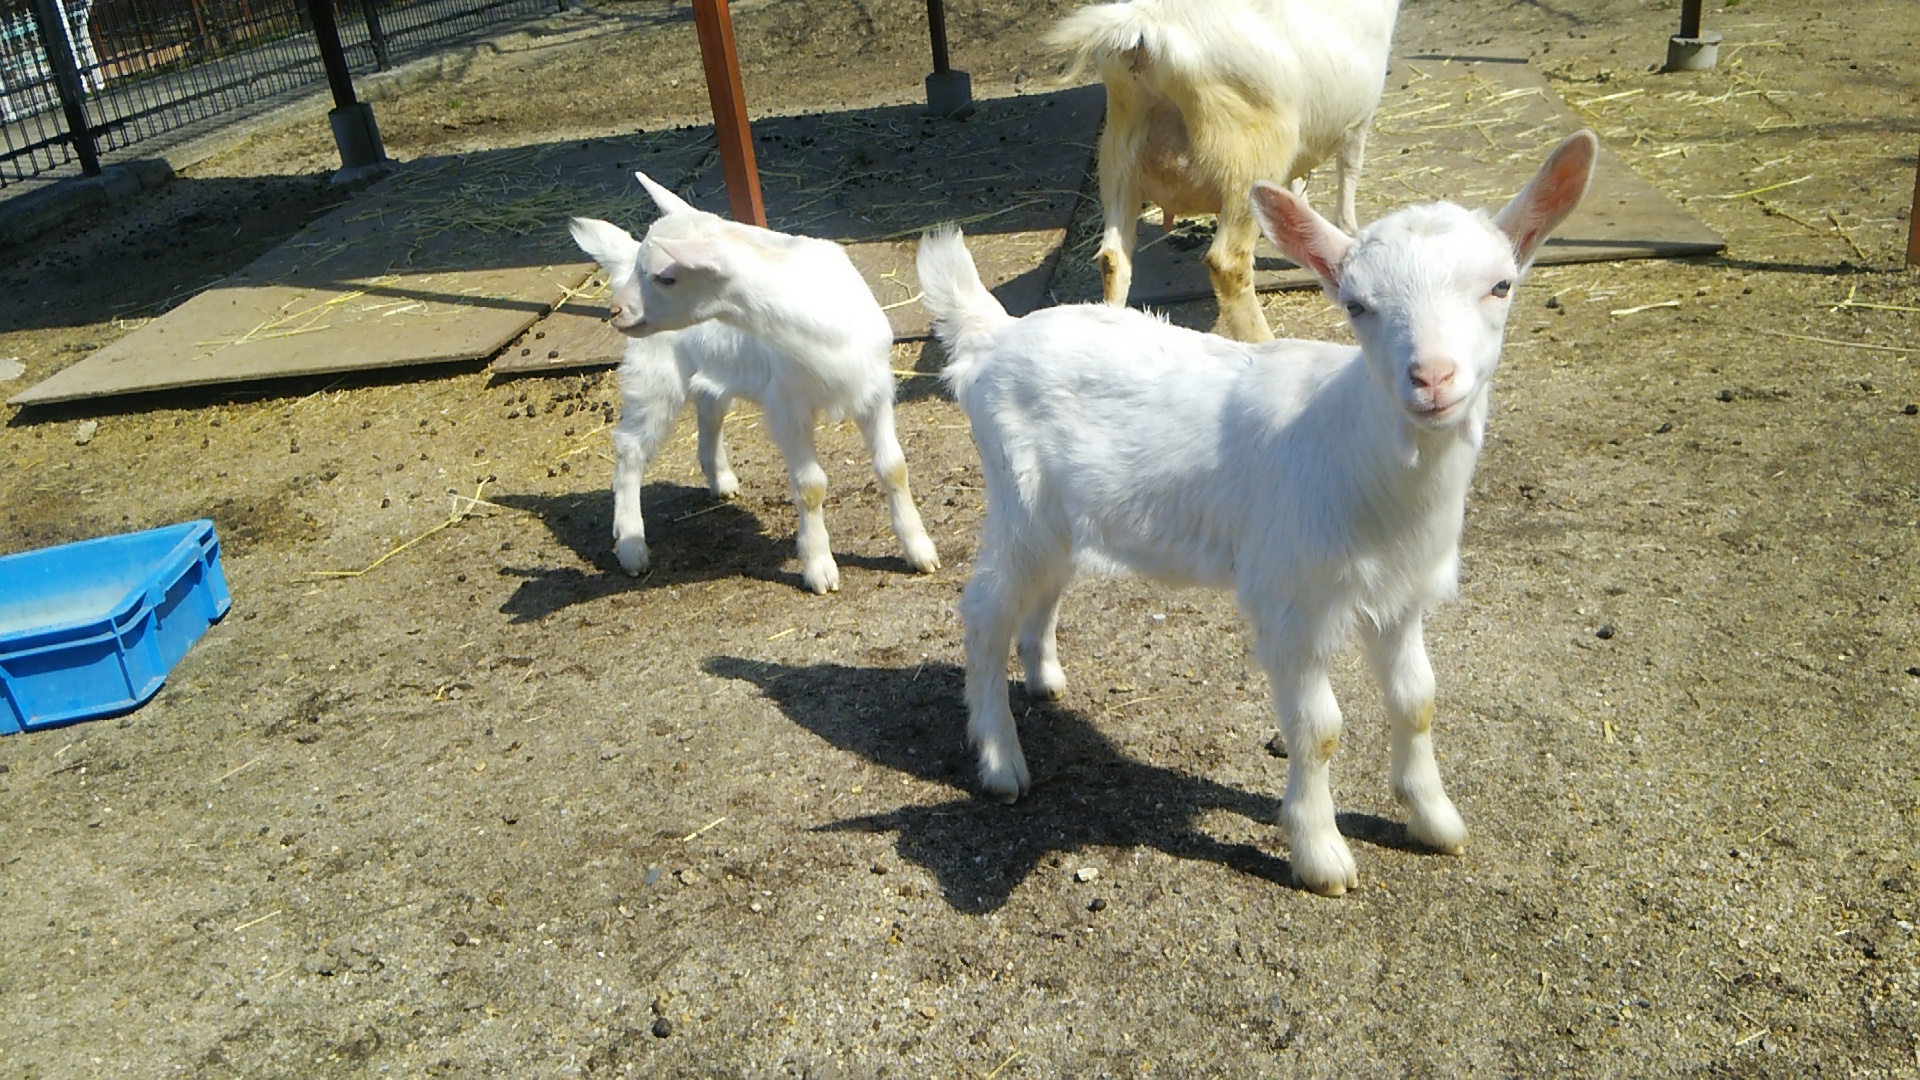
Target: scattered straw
(460,513)
(258,921)
(230,773)
(1644,307)
(702,829)
(1758,190)
(1837,341)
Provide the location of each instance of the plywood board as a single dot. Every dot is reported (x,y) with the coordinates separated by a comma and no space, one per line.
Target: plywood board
(873,180)
(1469,130)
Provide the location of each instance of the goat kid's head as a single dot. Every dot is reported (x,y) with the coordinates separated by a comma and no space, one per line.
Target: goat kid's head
(1428,288)
(667,281)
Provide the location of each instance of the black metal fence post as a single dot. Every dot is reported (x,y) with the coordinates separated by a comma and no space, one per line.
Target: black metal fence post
(376,37)
(66,82)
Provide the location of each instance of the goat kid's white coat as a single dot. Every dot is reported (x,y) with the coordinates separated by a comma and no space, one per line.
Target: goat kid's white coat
(1204,97)
(719,310)
(1324,484)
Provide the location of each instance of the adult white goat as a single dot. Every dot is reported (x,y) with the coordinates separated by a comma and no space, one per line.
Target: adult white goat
(1204,97)
(1325,484)
(722,310)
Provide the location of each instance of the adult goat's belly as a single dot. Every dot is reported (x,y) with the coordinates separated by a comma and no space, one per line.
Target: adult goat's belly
(1170,177)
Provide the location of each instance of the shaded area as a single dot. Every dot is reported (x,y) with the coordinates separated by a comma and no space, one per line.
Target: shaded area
(691,535)
(453,257)
(1085,790)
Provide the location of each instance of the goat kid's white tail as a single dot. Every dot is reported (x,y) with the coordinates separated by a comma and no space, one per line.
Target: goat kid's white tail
(965,315)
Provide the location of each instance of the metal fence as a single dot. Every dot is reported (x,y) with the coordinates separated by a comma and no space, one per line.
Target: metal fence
(135,69)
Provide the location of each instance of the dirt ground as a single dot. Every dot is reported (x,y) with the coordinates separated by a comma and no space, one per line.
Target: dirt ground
(493,808)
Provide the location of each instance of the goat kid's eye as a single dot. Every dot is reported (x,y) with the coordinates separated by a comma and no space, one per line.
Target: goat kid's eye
(1502,289)
(1356,309)
(663,279)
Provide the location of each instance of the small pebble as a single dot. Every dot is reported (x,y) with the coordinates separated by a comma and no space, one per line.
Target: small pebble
(1663,428)
(1725,395)
(662,1028)
(460,938)
(1277,746)
(1085,873)
(1098,903)
(879,868)
(1605,633)
(1914,671)
(1911,409)
(83,434)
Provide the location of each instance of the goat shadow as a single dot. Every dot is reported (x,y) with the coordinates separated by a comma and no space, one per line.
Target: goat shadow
(1086,792)
(691,537)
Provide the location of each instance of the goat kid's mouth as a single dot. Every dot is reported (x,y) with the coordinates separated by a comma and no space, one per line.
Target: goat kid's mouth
(1438,413)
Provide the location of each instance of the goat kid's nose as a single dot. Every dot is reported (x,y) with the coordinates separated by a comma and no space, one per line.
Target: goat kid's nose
(616,311)
(1433,374)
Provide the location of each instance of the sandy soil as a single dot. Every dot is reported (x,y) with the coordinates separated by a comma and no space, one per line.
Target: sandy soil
(493,808)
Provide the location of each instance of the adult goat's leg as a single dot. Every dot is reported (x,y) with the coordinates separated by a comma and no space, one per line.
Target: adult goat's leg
(1346,167)
(1230,265)
(1397,653)
(1122,141)
(890,467)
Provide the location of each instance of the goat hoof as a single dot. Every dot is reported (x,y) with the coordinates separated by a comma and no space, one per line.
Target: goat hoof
(921,555)
(1007,783)
(822,578)
(632,553)
(1325,868)
(725,486)
(1439,829)
(1046,682)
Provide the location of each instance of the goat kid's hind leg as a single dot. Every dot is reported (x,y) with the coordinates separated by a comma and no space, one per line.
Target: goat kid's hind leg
(1397,653)
(652,393)
(989,609)
(1310,722)
(792,430)
(1039,653)
(890,468)
(710,405)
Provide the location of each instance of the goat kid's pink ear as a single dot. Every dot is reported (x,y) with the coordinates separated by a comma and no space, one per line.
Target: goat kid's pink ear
(610,245)
(692,256)
(1301,234)
(1550,196)
(667,201)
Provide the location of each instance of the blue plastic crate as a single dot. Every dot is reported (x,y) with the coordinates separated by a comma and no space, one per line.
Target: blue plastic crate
(91,629)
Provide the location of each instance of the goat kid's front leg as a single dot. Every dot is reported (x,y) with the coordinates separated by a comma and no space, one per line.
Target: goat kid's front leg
(890,469)
(1397,652)
(1039,652)
(792,430)
(710,405)
(1310,723)
(1230,266)
(651,392)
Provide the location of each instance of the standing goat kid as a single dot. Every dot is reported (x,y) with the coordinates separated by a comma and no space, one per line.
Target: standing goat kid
(1204,97)
(1325,484)
(723,310)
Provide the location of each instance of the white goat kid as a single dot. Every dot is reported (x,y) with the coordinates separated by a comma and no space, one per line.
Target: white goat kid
(1325,484)
(1204,97)
(723,310)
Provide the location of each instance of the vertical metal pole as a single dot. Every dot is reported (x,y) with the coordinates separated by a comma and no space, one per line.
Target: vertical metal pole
(729,99)
(937,34)
(1690,18)
(66,81)
(327,34)
(382,57)
(1913,222)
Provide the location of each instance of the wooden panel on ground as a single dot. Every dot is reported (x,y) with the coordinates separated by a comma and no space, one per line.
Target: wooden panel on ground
(444,261)
(1010,174)
(1468,129)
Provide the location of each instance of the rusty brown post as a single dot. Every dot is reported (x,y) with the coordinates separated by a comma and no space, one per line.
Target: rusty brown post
(729,99)
(1913,221)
